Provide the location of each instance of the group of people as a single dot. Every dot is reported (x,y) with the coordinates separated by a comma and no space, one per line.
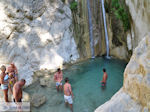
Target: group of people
(68,94)
(9,81)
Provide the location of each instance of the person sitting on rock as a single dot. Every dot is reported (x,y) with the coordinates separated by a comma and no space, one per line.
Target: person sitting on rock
(105,76)
(4,82)
(12,81)
(58,77)
(17,90)
(13,69)
(68,94)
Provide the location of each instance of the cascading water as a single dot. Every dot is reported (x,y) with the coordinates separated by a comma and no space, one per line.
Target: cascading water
(91,30)
(105,26)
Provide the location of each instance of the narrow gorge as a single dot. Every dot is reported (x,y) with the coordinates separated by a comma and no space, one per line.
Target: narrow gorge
(81,37)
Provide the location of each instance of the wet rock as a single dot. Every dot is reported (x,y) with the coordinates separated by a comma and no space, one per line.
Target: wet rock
(47,81)
(38,99)
(44,82)
(119,52)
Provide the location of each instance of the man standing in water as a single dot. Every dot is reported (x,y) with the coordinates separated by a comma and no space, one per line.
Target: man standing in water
(17,90)
(68,95)
(58,77)
(104,78)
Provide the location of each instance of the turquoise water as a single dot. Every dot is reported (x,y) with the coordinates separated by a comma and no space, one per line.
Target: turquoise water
(85,79)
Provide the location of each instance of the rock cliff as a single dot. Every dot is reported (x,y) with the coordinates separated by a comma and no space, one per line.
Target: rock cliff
(140,16)
(135,94)
(36,34)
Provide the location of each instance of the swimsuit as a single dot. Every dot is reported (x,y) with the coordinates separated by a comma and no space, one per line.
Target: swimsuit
(68,99)
(5,86)
(58,83)
(18,101)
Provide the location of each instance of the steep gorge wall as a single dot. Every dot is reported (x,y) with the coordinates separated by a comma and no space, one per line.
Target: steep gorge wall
(81,28)
(118,27)
(122,43)
(134,96)
(140,16)
(36,34)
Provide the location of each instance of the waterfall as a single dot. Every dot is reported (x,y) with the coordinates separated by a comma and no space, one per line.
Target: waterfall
(105,26)
(91,29)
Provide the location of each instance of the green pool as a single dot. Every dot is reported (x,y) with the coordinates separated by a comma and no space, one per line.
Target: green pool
(85,80)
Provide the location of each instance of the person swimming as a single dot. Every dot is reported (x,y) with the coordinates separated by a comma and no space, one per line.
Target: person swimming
(68,94)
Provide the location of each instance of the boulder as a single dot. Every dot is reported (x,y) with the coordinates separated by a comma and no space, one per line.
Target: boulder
(38,99)
(44,82)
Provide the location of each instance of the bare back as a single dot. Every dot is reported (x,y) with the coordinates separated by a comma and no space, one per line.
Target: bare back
(67,89)
(17,91)
(104,77)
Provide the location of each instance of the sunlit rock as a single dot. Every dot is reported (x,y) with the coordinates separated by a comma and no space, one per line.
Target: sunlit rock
(36,35)
(38,99)
(140,15)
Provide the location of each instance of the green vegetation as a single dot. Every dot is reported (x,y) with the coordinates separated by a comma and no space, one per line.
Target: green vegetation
(63,1)
(118,8)
(73,6)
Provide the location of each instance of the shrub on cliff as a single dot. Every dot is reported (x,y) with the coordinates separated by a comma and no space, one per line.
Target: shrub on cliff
(73,6)
(118,8)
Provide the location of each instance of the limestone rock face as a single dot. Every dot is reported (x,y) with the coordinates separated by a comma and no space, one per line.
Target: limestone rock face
(119,52)
(38,99)
(36,34)
(140,15)
(135,94)
(81,28)
(120,102)
(137,74)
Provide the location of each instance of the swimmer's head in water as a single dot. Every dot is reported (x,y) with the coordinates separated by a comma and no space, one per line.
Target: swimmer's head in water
(23,81)
(66,79)
(104,70)
(3,68)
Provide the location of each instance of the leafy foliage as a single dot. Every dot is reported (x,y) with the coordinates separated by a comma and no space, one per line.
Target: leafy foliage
(73,6)
(120,12)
